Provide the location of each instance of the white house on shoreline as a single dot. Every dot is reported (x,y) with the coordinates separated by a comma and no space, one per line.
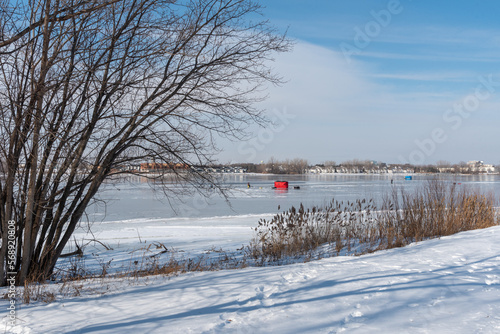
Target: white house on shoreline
(477,166)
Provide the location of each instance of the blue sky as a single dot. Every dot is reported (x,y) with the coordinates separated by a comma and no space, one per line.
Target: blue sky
(393,81)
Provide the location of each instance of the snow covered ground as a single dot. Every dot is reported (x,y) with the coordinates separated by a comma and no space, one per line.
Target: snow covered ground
(447,285)
(131,240)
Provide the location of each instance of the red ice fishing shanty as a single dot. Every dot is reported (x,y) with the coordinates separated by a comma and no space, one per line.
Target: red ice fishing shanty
(281,184)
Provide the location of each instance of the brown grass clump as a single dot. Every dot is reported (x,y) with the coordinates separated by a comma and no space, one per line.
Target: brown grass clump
(299,231)
(152,265)
(36,291)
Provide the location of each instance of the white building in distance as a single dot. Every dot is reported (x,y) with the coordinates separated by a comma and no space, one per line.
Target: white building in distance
(480,167)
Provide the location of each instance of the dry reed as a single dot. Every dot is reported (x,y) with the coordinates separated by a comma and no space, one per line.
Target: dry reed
(434,210)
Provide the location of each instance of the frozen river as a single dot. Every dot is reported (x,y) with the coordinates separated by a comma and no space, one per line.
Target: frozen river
(136,217)
(137,200)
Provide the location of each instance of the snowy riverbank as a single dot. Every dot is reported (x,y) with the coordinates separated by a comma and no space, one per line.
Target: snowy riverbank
(447,285)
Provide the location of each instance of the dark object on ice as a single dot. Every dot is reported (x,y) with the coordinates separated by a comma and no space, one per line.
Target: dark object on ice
(296,187)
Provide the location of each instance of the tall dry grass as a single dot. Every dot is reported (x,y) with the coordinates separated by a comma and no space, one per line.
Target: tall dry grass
(434,210)
(299,231)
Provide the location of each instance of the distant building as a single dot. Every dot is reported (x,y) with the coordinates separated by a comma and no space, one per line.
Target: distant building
(478,166)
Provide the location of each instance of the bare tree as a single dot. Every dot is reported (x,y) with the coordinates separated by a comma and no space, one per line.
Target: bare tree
(273,166)
(88,87)
(330,163)
(296,166)
(287,166)
(443,164)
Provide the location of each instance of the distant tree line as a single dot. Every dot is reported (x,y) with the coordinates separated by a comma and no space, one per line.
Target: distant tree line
(273,166)
(301,166)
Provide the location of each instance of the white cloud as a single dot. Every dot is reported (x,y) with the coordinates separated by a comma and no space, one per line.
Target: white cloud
(342,112)
(459,76)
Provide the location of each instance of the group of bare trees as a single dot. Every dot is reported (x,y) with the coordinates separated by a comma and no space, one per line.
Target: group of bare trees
(287,166)
(106,83)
